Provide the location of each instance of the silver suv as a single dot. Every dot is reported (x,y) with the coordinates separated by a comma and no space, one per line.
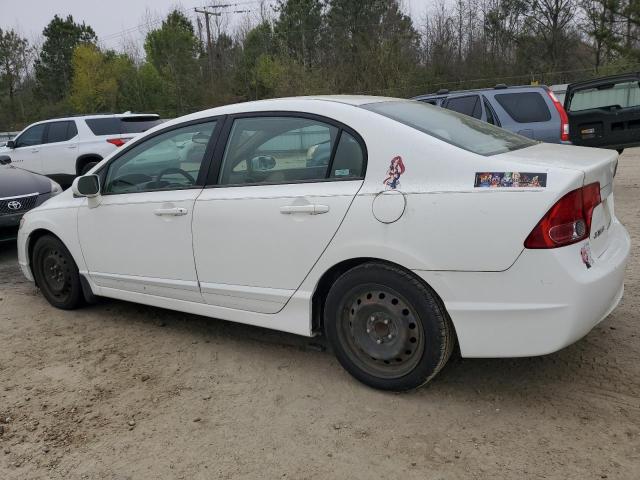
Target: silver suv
(532,111)
(64,148)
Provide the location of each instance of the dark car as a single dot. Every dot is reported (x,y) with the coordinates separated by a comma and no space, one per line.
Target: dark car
(605,112)
(530,110)
(20,191)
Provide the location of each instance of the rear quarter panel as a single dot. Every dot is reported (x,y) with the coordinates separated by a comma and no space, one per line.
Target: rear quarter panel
(447,224)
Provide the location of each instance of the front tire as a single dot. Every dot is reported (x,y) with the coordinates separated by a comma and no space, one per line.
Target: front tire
(56,273)
(387,329)
(87,167)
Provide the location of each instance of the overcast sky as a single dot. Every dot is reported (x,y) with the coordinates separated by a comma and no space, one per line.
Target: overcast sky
(117,21)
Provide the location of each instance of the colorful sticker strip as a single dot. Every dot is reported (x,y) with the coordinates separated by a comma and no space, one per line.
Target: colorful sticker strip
(510,180)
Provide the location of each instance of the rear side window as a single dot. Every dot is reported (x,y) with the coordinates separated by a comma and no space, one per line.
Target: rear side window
(525,107)
(122,125)
(349,160)
(454,128)
(469,105)
(61,131)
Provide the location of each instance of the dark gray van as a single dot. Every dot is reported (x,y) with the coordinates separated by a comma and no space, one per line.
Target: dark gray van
(532,111)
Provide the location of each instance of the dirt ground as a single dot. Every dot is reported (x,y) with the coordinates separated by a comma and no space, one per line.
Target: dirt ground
(119,391)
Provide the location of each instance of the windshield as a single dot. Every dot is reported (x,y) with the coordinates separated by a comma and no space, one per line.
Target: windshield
(460,130)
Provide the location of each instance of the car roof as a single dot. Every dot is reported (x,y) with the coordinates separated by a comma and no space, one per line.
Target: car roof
(99,115)
(444,92)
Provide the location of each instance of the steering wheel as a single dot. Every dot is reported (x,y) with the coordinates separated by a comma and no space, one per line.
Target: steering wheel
(167,171)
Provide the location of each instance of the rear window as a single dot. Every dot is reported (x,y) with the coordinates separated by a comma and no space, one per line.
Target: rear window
(454,128)
(121,125)
(619,95)
(526,107)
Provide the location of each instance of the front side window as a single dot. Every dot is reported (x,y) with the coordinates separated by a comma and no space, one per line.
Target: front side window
(169,161)
(277,150)
(61,131)
(31,137)
(454,128)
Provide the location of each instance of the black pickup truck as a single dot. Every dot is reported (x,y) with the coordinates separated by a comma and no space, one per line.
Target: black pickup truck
(605,112)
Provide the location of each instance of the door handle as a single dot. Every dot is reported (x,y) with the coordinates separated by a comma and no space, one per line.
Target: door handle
(35,150)
(71,146)
(309,209)
(176,212)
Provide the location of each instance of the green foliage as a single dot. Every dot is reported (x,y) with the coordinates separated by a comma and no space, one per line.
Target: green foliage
(54,67)
(173,50)
(14,52)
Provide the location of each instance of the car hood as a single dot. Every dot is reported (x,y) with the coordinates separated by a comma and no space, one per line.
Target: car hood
(15,182)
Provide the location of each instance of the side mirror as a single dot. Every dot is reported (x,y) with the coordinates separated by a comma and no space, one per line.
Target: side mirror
(5,159)
(86,186)
(10,144)
(262,163)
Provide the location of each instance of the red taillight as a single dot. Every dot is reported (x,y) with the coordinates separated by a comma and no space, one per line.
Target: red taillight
(568,221)
(118,142)
(564,119)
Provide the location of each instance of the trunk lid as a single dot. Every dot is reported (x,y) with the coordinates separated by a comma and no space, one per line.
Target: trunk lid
(597,165)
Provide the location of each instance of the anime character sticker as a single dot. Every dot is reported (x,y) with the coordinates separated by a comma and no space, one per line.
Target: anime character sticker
(396,169)
(585,253)
(510,180)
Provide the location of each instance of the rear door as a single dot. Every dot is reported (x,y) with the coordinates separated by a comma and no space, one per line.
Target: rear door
(272,206)
(60,150)
(605,112)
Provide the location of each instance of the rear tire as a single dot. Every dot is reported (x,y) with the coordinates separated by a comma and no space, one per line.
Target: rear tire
(387,329)
(56,273)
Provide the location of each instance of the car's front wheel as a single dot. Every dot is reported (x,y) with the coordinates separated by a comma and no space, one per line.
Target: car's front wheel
(387,328)
(56,273)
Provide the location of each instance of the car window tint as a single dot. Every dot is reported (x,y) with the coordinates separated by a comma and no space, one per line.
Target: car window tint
(349,160)
(277,150)
(60,131)
(469,105)
(169,161)
(619,95)
(454,128)
(490,117)
(32,136)
(525,107)
(120,125)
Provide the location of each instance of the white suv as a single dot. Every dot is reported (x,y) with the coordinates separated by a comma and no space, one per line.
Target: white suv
(64,148)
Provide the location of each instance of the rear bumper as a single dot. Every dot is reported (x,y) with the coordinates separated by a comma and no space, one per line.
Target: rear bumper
(547,300)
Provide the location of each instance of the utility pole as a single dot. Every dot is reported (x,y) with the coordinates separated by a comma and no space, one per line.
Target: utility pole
(207,26)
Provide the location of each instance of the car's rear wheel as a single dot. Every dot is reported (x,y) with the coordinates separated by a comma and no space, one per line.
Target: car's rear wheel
(56,273)
(387,328)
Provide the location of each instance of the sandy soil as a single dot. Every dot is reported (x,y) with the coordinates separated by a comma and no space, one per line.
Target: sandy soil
(120,391)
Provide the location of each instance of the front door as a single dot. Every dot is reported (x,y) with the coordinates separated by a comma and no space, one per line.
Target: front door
(26,151)
(283,188)
(139,236)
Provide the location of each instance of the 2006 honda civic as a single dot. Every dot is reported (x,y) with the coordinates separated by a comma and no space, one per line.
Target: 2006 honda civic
(418,229)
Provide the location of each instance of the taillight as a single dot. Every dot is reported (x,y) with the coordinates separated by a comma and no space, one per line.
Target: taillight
(118,142)
(564,119)
(568,221)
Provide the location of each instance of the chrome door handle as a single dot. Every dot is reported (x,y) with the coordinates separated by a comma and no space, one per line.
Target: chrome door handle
(310,209)
(176,212)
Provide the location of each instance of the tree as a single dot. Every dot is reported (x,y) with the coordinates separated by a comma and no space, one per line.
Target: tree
(54,68)
(14,51)
(298,30)
(173,49)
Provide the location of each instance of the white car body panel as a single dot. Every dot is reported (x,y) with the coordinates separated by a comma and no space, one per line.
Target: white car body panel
(257,266)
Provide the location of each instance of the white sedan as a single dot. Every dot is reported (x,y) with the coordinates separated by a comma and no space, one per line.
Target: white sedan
(395,228)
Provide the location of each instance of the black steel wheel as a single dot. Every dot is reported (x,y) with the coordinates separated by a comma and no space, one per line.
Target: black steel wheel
(387,328)
(56,273)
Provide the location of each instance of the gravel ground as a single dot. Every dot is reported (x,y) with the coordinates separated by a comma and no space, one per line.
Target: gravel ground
(119,390)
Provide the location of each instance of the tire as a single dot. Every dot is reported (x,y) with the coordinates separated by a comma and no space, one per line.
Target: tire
(87,167)
(387,329)
(56,273)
